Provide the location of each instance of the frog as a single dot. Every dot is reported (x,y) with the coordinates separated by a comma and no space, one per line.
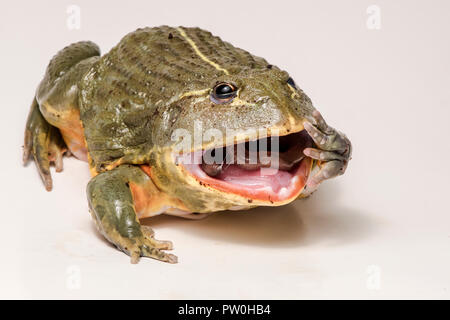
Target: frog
(124,113)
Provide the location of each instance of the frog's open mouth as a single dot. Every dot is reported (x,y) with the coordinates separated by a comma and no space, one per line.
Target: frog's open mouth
(256,170)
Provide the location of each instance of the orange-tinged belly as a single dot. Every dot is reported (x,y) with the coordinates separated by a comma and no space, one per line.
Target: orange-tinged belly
(73,135)
(149,200)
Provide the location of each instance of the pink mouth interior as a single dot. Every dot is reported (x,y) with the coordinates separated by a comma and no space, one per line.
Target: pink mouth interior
(267,184)
(262,178)
(256,184)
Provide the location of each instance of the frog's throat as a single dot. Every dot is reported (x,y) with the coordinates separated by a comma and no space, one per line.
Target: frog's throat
(263,186)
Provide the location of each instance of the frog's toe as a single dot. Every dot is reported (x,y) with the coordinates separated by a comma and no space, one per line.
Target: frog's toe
(47,148)
(150,249)
(148,231)
(326,137)
(328,170)
(44,142)
(147,246)
(333,150)
(27,148)
(40,154)
(56,150)
(152,252)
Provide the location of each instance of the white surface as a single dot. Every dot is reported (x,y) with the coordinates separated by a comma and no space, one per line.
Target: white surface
(380,231)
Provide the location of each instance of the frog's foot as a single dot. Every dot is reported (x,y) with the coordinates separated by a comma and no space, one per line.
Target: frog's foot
(333,150)
(145,250)
(45,143)
(113,209)
(147,246)
(137,242)
(143,244)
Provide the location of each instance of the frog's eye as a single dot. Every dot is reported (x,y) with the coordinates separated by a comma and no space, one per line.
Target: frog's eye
(223,93)
(291,82)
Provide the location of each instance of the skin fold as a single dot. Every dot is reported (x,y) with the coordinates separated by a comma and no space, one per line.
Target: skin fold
(120,112)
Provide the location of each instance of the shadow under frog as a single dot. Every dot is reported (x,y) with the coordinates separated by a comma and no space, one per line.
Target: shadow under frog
(318,219)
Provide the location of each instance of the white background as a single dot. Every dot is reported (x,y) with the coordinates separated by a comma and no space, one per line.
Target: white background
(380,231)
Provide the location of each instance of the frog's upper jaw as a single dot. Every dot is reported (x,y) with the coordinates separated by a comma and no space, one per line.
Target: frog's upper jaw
(258,184)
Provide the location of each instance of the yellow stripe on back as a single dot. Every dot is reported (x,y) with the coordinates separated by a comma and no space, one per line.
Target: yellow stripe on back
(294,92)
(198,52)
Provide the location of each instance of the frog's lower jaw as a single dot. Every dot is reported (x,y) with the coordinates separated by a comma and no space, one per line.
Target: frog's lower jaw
(275,188)
(258,186)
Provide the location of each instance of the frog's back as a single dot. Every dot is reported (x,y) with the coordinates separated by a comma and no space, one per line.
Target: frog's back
(126,97)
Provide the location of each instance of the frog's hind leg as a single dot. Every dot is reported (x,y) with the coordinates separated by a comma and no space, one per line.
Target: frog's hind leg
(44,142)
(53,126)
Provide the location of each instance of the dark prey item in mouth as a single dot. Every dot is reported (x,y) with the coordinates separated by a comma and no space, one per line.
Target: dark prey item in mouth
(258,154)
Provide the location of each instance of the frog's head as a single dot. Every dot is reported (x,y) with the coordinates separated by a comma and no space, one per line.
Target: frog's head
(238,141)
(173,97)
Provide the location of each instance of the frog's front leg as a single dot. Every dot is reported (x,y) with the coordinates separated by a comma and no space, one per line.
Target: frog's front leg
(112,207)
(333,150)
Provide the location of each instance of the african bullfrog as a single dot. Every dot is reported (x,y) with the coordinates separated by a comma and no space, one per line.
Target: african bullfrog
(177,121)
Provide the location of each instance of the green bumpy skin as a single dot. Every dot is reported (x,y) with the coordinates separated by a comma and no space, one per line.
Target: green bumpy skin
(155,81)
(119,112)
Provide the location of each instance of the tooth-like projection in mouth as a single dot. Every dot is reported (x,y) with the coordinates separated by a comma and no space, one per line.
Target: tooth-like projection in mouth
(255,169)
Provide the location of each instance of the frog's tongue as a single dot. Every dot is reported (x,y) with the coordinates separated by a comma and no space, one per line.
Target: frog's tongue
(257,179)
(257,182)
